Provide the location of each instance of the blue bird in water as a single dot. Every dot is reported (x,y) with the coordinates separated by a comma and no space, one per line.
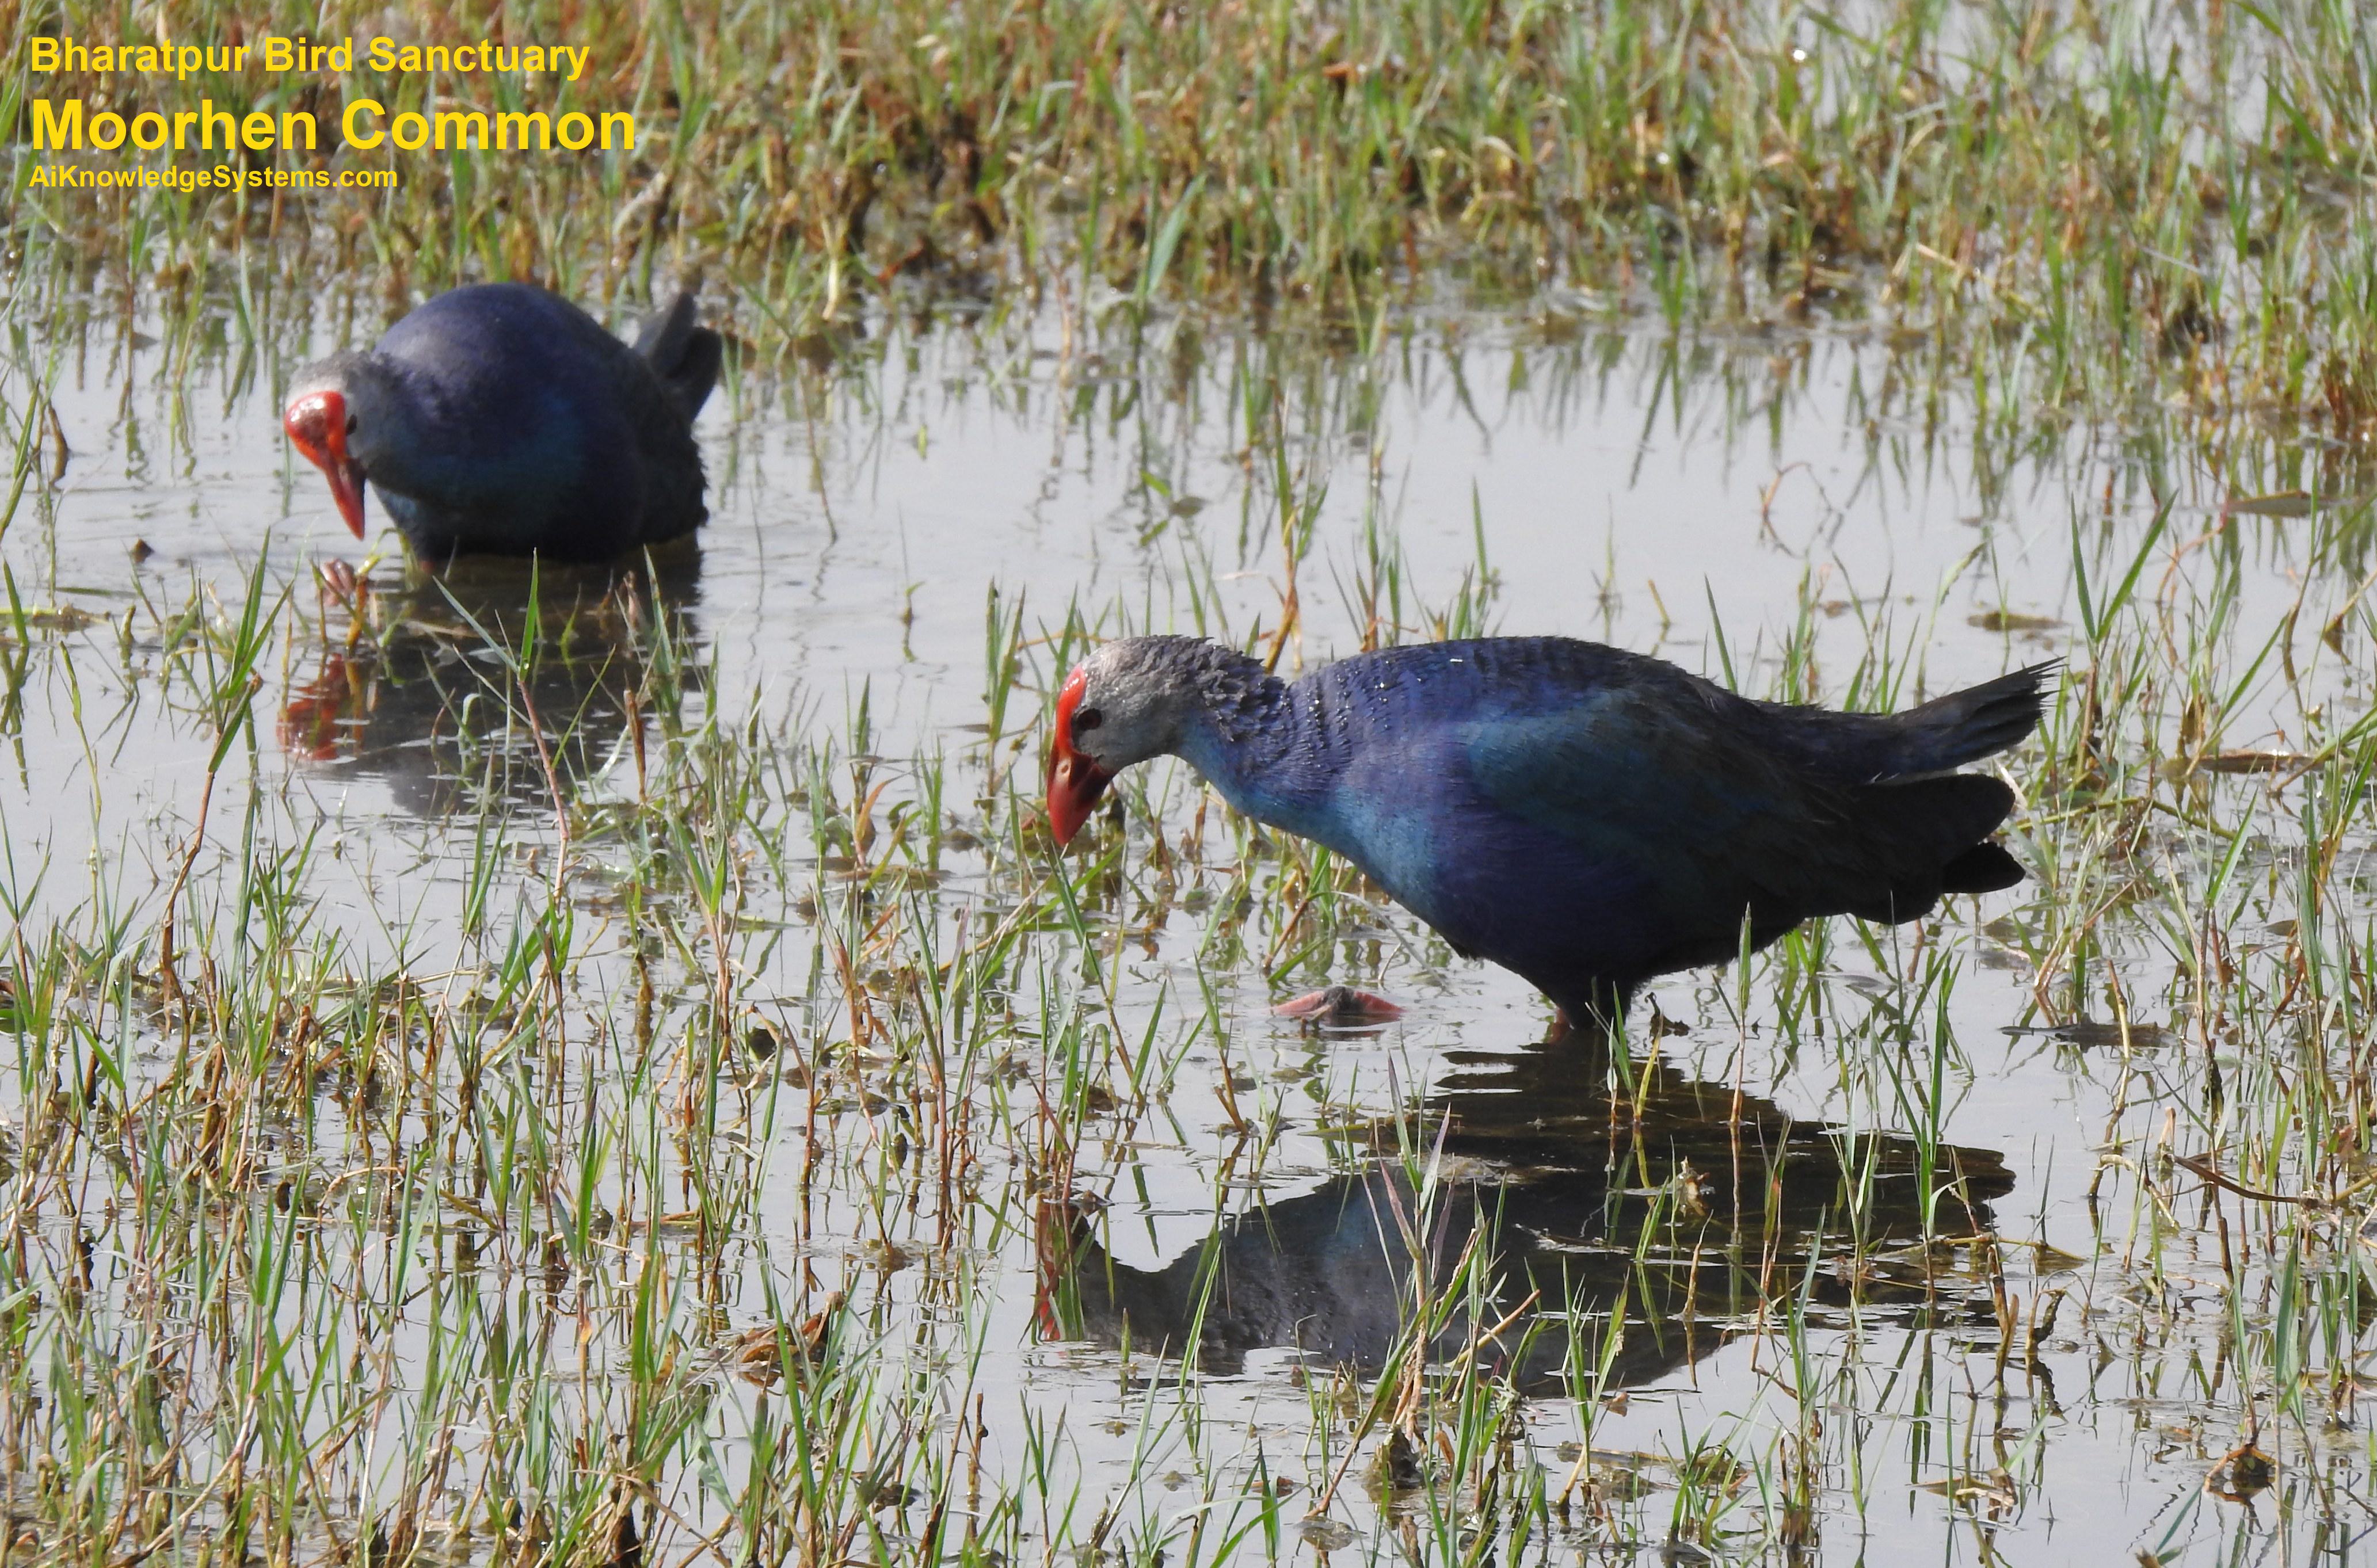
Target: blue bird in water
(500,419)
(1584,817)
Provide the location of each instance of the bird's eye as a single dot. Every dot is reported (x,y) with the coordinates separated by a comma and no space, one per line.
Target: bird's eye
(1087,719)
(350,418)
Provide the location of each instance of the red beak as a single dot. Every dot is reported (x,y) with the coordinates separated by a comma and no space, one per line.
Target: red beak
(1074,782)
(316,423)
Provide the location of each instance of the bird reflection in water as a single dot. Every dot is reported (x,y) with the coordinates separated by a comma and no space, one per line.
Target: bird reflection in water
(493,682)
(1561,1200)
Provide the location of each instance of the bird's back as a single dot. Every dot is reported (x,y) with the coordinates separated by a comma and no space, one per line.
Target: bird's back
(1383,694)
(584,446)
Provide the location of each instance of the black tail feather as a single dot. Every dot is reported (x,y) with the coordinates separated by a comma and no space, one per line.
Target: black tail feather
(1969,725)
(1930,837)
(686,356)
(1984,868)
(665,331)
(1898,748)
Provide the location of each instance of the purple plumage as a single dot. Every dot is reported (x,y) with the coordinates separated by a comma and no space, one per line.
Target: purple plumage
(501,419)
(1585,816)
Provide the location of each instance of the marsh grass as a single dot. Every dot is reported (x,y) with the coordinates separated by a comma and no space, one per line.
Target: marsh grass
(2063,213)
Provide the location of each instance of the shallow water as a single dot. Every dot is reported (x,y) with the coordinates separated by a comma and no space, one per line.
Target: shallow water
(1710,1221)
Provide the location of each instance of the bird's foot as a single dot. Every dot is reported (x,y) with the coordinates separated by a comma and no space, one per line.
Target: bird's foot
(347,589)
(1340,1008)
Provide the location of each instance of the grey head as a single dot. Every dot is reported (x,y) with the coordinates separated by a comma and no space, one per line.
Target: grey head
(353,416)
(1135,698)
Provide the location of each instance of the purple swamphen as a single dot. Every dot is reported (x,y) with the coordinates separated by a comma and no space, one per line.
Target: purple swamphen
(1582,815)
(500,419)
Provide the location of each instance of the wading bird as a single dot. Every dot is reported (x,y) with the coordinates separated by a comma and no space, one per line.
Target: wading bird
(1584,817)
(500,419)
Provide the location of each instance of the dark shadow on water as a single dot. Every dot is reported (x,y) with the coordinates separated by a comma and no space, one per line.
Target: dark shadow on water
(441,683)
(1568,1195)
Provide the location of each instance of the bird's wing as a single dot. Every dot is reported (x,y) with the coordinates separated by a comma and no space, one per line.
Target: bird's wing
(1716,821)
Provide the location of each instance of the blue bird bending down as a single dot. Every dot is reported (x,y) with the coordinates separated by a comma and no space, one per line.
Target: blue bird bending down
(1584,817)
(501,419)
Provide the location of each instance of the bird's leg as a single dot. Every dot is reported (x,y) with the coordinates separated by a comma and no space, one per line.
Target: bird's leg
(1596,1016)
(1567,1031)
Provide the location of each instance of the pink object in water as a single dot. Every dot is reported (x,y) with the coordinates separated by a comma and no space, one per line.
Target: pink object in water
(1340,1006)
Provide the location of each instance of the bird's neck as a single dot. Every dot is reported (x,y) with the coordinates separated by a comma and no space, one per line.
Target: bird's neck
(1268,748)
(401,444)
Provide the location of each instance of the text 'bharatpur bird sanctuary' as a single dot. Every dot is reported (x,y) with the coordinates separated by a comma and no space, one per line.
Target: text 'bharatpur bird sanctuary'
(365,122)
